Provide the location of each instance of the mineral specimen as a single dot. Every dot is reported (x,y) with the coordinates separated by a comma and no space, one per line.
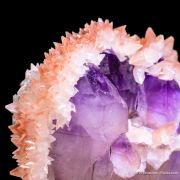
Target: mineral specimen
(104,105)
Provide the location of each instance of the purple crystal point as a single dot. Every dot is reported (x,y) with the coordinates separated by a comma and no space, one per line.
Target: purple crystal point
(159,101)
(124,157)
(121,75)
(101,115)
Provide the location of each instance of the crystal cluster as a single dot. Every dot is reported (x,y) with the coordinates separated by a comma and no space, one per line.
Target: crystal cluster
(103,105)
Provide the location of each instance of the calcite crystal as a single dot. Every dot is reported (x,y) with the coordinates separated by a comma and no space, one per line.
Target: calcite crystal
(104,105)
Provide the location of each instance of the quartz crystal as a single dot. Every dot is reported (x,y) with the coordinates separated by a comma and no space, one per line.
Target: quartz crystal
(104,105)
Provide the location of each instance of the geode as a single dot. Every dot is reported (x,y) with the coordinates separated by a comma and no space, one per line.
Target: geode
(103,105)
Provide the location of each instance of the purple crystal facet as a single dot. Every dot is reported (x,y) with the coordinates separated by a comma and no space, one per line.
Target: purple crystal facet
(121,75)
(178,129)
(159,101)
(101,115)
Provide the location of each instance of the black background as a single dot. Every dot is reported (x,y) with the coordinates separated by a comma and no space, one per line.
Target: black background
(29,30)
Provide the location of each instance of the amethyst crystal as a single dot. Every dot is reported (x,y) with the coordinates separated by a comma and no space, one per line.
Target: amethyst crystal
(121,75)
(94,145)
(158,101)
(101,116)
